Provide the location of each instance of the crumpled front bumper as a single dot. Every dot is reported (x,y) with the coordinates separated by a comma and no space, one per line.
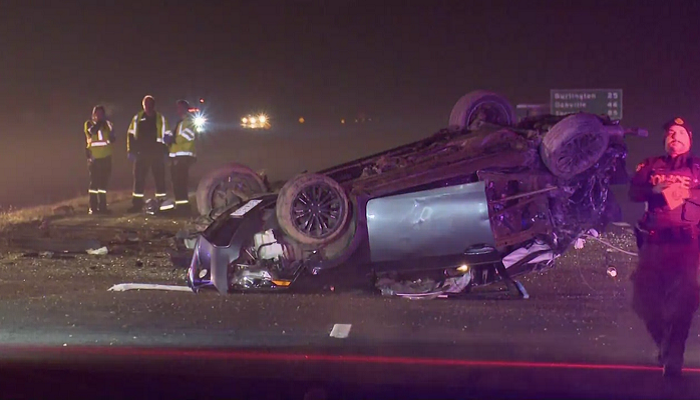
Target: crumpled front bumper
(221,243)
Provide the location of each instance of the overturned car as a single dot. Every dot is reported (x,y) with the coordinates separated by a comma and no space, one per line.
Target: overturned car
(485,200)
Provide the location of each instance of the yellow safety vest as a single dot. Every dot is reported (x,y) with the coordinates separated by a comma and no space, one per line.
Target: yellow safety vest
(185,135)
(99,144)
(161,128)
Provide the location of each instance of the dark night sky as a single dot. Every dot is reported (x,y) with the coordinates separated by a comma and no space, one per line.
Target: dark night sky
(403,62)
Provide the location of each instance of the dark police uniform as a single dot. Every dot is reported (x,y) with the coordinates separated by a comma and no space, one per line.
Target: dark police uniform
(666,290)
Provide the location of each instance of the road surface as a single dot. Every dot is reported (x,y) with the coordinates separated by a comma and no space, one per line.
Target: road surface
(577,312)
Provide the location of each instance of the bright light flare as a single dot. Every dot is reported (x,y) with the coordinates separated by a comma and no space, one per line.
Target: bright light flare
(200,122)
(463,268)
(262,119)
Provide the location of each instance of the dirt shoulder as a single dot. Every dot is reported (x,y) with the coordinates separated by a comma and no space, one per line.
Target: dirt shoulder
(42,253)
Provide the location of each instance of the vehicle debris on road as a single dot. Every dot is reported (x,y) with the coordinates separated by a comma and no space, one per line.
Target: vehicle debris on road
(122,287)
(102,251)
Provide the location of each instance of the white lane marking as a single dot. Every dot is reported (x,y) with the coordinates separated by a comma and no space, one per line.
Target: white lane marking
(136,286)
(341,331)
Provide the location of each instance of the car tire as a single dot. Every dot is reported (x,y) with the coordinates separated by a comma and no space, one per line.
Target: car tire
(574,144)
(321,201)
(227,186)
(498,109)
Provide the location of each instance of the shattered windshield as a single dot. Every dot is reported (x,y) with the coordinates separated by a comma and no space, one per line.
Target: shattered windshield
(428,180)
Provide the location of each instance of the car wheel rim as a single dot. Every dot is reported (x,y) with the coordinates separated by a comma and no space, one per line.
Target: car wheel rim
(578,153)
(317,211)
(490,112)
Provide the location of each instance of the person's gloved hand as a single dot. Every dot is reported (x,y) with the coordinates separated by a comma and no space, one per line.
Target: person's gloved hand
(168,139)
(112,137)
(131,157)
(88,154)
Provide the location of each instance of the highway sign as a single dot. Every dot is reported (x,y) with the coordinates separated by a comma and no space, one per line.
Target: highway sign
(595,101)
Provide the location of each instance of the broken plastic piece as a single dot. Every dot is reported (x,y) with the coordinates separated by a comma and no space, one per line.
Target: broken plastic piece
(102,251)
(612,272)
(523,252)
(190,243)
(152,286)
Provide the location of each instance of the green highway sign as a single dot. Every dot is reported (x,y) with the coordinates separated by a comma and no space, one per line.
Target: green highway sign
(595,101)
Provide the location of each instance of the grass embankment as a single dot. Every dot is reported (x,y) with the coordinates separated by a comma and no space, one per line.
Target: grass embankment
(15,216)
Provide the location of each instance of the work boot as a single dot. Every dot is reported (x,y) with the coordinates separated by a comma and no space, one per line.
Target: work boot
(92,208)
(102,206)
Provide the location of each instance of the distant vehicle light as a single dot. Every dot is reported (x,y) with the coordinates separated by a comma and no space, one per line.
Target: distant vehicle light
(301,120)
(260,121)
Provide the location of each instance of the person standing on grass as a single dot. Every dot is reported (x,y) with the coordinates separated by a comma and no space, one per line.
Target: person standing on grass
(99,135)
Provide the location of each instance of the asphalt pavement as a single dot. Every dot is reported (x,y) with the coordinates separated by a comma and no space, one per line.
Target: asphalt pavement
(577,313)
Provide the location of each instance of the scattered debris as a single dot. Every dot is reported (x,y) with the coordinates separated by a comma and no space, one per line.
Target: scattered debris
(122,287)
(56,245)
(546,254)
(622,224)
(48,254)
(424,289)
(340,331)
(102,251)
(190,243)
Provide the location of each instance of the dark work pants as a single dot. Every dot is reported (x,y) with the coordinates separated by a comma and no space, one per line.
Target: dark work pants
(100,170)
(667,294)
(142,165)
(180,173)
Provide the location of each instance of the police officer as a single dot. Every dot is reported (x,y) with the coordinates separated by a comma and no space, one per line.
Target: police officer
(666,291)
(146,149)
(182,156)
(99,135)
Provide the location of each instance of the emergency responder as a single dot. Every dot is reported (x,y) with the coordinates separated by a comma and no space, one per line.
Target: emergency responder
(147,151)
(182,155)
(666,292)
(99,135)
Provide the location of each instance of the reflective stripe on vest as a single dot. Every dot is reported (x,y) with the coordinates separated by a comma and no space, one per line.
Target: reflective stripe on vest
(181,153)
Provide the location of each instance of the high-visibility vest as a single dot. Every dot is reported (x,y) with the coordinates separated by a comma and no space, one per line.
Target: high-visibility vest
(98,143)
(161,128)
(185,135)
